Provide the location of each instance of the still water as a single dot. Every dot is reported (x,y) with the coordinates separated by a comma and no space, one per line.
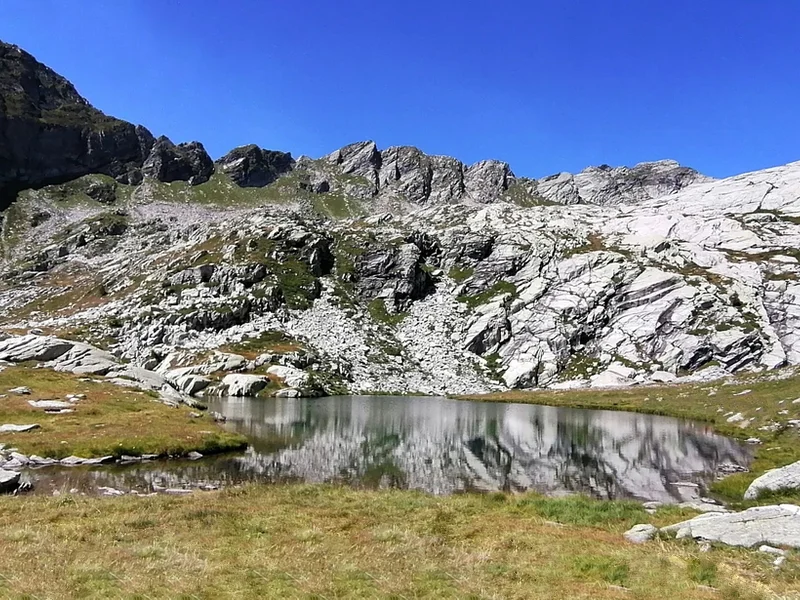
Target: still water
(440,446)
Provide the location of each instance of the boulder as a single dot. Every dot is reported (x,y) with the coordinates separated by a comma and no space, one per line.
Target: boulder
(776,525)
(783,478)
(33,347)
(238,384)
(192,384)
(83,359)
(639,534)
(9,480)
(289,375)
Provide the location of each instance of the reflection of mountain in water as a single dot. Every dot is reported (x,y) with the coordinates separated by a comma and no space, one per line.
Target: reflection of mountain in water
(444,446)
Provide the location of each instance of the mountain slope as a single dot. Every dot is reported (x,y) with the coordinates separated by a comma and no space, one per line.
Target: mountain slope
(391,270)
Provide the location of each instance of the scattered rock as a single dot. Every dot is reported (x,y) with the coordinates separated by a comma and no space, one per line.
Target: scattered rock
(777,525)
(639,534)
(771,550)
(10,428)
(194,455)
(50,404)
(9,481)
(177,491)
(21,391)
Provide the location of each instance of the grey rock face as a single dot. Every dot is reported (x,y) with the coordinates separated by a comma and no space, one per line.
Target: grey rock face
(777,525)
(406,171)
(184,162)
(49,133)
(487,180)
(606,185)
(784,478)
(361,159)
(251,166)
(33,347)
(394,273)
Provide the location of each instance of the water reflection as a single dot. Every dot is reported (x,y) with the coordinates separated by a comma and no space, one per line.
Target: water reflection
(441,446)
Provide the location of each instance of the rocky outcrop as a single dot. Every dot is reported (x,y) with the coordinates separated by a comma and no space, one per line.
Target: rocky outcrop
(49,133)
(243,385)
(251,166)
(398,270)
(393,273)
(775,480)
(606,185)
(184,162)
(777,525)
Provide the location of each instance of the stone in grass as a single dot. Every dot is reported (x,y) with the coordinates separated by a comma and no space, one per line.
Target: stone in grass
(9,480)
(50,404)
(776,525)
(194,455)
(639,534)
(21,390)
(11,428)
(771,550)
(774,480)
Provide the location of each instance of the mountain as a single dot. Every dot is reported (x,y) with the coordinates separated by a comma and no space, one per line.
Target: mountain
(381,270)
(50,134)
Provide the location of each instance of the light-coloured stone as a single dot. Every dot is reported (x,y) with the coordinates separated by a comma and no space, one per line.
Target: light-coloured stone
(776,525)
(783,478)
(9,480)
(639,534)
(244,385)
(50,404)
(11,428)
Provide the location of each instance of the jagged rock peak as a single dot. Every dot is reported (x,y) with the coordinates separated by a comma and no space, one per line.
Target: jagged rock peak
(251,166)
(50,133)
(184,162)
(407,172)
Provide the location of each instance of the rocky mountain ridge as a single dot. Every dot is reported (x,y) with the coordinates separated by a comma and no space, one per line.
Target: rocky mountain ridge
(386,270)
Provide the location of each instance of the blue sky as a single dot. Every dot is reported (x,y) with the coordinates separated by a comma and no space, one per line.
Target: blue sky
(546,86)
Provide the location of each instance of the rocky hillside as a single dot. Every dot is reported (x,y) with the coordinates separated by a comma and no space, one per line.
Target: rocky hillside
(381,270)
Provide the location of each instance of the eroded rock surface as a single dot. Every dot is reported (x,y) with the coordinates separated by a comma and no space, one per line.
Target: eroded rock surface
(378,269)
(777,525)
(775,480)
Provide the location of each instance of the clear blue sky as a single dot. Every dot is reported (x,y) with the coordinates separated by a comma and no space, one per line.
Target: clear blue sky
(547,86)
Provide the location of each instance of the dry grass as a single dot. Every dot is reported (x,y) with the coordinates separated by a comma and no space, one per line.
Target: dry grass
(301,541)
(769,396)
(111,420)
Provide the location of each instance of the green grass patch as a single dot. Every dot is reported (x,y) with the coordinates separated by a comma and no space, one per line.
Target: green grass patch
(499,288)
(304,541)
(111,420)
